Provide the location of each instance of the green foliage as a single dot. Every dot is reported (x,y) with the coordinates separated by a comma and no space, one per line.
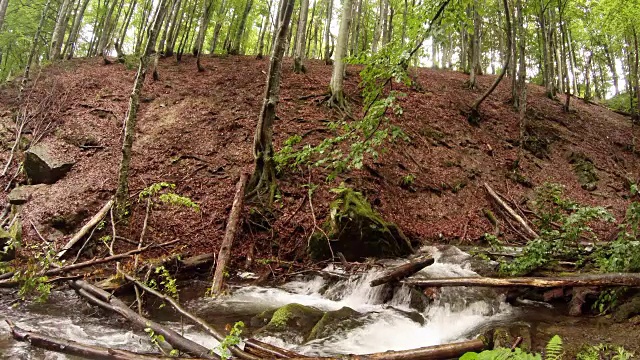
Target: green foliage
(167,284)
(553,351)
(163,192)
(232,339)
(408,180)
(607,300)
(604,351)
(562,223)
(33,285)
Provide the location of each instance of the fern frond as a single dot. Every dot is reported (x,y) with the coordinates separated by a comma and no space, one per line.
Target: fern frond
(553,350)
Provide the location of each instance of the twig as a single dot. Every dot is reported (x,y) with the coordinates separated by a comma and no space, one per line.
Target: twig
(13,148)
(85,229)
(13,177)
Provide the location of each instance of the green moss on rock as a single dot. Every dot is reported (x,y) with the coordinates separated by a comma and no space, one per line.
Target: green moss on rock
(357,231)
(331,321)
(585,171)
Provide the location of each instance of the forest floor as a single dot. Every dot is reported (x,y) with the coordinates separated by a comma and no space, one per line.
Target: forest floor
(196,130)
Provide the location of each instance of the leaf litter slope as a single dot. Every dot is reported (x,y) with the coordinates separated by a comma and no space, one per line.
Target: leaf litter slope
(196,130)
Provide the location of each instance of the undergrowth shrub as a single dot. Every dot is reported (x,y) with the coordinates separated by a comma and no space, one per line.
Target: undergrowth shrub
(553,351)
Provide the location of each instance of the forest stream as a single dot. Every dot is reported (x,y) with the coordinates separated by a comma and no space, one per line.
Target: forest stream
(387,321)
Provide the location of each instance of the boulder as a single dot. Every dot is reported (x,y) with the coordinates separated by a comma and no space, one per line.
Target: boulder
(333,321)
(21,194)
(293,323)
(585,170)
(505,337)
(43,167)
(357,231)
(627,310)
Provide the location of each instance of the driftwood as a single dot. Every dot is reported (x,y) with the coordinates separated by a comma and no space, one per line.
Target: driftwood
(198,321)
(105,300)
(267,351)
(511,212)
(229,235)
(613,279)
(403,271)
(70,347)
(95,220)
(444,351)
(5,279)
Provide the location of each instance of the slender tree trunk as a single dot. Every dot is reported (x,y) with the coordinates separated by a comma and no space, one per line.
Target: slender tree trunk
(587,77)
(3,11)
(34,45)
(265,28)
(263,181)
(377,30)
(404,22)
(385,22)
(69,48)
(125,26)
(337,77)
(356,30)
(637,75)
(475,46)
(309,36)
(122,193)
(474,117)
(299,49)
(202,31)
(59,30)
(237,42)
(327,33)
(572,62)
(144,23)
(218,27)
(104,37)
(173,29)
(612,68)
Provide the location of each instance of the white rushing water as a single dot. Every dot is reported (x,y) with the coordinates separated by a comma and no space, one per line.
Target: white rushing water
(388,321)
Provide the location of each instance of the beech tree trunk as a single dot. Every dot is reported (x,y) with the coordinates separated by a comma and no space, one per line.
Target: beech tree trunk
(237,41)
(59,30)
(122,192)
(475,46)
(299,49)
(262,184)
(70,46)
(202,31)
(474,117)
(337,77)
(34,45)
(377,30)
(327,33)
(3,11)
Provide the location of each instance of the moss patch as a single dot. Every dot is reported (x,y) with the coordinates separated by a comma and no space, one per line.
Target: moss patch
(585,171)
(332,321)
(357,231)
(292,323)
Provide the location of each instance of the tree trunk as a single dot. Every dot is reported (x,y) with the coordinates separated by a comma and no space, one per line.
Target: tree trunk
(230,233)
(299,48)
(202,31)
(237,41)
(106,29)
(59,30)
(403,271)
(34,45)
(3,11)
(127,20)
(265,28)
(173,29)
(604,280)
(377,30)
(218,27)
(356,30)
(263,180)
(144,23)
(122,192)
(309,36)
(612,68)
(385,22)
(474,117)
(637,75)
(69,48)
(337,77)
(587,77)
(327,33)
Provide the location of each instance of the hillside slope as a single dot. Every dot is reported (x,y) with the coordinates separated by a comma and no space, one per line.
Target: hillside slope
(196,130)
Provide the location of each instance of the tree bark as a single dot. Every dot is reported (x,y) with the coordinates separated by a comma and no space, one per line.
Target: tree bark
(601,280)
(327,33)
(59,30)
(299,49)
(106,30)
(265,27)
(122,192)
(173,29)
(474,117)
(3,11)
(403,271)
(69,48)
(202,31)
(337,77)
(263,180)
(377,30)
(107,301)
(237,41)
(86,228)
(475,46)
(34,46)
(230,234)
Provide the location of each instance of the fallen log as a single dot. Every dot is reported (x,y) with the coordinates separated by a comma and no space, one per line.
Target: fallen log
(267,351)
(85,229)
(229,235)
(196,320)
(105,300)
(73,348)
(511,212)
(601,280)
(5,279)
(436,352)
(403,271)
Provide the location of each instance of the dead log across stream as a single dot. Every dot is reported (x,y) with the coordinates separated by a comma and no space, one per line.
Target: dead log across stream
(437,352)
(403,271)
(602,280)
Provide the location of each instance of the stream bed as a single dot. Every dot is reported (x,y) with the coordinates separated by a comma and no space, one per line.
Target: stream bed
(390,320)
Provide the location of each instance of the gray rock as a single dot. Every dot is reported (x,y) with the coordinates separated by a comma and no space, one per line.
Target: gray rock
(21,194)
(43,167)
(10,241)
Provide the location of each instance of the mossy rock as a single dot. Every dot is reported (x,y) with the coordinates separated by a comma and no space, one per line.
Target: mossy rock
(585,171)
(505,337)
(10,241)
(627,310)
(357,231)
(334,321)
(293,323)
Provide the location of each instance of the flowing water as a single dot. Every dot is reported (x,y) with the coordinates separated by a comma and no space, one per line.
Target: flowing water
(389,322)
